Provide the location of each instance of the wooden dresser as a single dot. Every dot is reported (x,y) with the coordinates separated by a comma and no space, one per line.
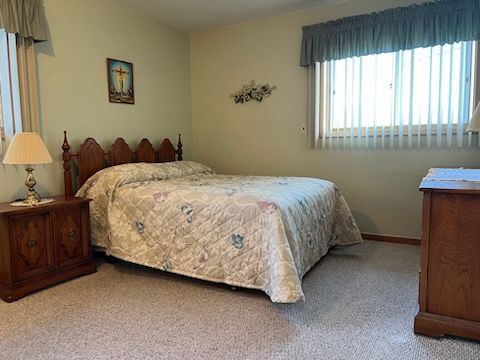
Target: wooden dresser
(43,245)
(449,296)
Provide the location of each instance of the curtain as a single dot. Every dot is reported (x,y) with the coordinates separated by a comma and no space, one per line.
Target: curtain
(27,78)
(313,126)
(23,17)
(476,81)
(21,25)
(429,24)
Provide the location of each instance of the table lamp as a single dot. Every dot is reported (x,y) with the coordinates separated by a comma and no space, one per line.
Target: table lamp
(474,123)
(28,149)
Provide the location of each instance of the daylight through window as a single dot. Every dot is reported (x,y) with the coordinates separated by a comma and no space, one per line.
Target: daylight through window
(377,98)
(10,112)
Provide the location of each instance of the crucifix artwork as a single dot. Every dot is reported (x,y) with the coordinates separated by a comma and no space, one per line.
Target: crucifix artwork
(120,82)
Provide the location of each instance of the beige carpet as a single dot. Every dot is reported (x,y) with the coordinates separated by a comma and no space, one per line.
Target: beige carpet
(360,304)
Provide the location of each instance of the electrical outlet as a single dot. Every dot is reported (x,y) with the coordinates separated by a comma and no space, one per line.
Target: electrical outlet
(303,129)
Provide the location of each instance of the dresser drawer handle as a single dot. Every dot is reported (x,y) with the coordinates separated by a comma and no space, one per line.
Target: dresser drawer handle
(32,243)
(72,234)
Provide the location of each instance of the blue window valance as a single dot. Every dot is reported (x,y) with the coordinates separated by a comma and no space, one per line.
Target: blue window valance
(427,24)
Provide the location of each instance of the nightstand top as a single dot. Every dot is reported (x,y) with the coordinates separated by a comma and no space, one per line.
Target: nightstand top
(60,201)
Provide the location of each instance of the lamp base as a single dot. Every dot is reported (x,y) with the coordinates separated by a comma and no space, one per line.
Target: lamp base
(32,196)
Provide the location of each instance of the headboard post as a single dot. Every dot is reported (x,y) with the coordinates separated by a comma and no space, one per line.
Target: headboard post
(179,150)
(67,166)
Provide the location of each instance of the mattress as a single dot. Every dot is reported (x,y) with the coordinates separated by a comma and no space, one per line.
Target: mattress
(249,231)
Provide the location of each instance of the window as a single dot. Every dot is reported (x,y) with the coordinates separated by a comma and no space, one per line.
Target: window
(406,94)
(10,108)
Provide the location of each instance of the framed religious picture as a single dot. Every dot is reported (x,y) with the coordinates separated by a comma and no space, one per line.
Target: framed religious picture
(120,82)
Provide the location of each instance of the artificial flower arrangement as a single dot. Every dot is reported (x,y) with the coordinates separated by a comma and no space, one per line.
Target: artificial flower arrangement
(252,92)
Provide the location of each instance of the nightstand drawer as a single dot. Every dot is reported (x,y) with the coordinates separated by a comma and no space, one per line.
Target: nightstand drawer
(32,246)
(72,242)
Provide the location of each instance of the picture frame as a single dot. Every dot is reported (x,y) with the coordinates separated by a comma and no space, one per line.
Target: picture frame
(121,88)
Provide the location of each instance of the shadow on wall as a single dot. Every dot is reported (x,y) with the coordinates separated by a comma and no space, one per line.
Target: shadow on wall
(46,48)
(366,221)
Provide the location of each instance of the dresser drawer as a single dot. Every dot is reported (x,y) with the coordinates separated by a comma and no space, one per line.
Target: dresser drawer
(32,246)
(71,240)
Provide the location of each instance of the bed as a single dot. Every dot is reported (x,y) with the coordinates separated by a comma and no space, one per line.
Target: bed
(151,208)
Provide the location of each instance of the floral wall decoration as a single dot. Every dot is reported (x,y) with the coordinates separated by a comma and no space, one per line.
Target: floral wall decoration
(252,92)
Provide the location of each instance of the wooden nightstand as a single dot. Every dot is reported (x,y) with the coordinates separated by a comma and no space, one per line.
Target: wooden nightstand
(43,245)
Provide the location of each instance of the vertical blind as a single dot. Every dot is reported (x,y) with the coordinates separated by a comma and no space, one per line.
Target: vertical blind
(407,98)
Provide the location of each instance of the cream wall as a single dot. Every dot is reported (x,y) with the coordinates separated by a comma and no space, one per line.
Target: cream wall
(73,83)
(381,186)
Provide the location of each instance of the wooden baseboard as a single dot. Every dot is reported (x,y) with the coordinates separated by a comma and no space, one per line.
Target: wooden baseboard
(391,239)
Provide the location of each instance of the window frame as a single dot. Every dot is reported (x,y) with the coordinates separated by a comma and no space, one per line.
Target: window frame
(323,86)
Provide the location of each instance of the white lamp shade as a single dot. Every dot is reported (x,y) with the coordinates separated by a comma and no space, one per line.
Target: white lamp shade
(474,123)
(27,149)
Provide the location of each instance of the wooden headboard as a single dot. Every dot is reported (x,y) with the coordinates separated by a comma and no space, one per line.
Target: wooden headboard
(92,158)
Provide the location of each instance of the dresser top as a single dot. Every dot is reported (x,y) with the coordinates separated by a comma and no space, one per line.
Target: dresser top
(60,201)
(460,180)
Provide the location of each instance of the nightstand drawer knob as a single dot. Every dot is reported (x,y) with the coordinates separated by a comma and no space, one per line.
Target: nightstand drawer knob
(72,234)
(32,243)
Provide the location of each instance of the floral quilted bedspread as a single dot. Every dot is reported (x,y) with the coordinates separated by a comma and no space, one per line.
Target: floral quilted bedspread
(249,231)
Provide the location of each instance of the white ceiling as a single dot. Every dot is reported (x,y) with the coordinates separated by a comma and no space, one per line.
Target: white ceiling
(197,15)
